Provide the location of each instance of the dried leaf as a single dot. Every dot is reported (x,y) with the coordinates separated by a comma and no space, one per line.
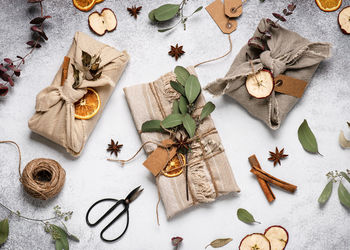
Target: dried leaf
(172,120)
(4,231)
(219,242)
(345,176)
(152,126)
(178,87)
(85,58)
(344,195)
(192,88)
(3,89)
(175,241)
(256,42)
(181,74)
(2,68)
(279,17)
(33,43)
(190,125)
(166,12)
(39,20)
(272,23)
(183,105)
(307,138)
(344,143)
(285,11)
(8,60)
(245,216)
(326,193)
(291,7)
(76,77)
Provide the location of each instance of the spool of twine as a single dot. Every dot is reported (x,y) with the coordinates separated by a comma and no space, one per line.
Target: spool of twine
(41,178)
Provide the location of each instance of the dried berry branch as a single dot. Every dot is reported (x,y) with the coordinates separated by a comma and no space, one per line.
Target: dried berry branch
(9,67)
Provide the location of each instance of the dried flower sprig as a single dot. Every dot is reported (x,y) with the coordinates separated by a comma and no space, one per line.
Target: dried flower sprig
(11,67)
(176,241)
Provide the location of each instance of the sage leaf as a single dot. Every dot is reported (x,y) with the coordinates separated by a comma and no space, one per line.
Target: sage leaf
(151,126)
(151,15)
(192,88)
(245,216)
(4,231)
(326,193)
(178,87)
(219,243)
(85,58)
(307,138)
(172,120)
(183,105)
(189,124)
(166,12)
(175,109)
(181,74)
(344,195)
(345,176)
(344,143)
(207,109)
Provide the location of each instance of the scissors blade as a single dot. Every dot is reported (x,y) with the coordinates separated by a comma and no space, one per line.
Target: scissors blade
(134,194)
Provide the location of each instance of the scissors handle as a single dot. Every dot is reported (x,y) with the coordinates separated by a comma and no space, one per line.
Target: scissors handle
(113,221)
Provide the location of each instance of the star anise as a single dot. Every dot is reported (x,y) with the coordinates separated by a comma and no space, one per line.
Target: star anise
(176,51)
(277,156)
(182,144)
(134,11)
(114,147)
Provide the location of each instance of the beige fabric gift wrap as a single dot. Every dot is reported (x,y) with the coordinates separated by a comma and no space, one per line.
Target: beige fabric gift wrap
(54,116)
(289,54)
(208,178)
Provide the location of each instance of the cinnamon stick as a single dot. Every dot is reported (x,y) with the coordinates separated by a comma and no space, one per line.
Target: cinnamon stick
(65,66)
(269,178)
(263,184)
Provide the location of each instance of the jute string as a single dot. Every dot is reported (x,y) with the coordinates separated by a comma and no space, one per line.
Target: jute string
(41,178)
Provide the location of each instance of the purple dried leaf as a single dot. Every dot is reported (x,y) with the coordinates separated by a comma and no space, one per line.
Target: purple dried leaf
(14,69)
(7,78)
(261,32)
(19,57)
(289,13)
(279,17)
(272,23)
(35,1)
(8,60)
(36,29)
(32,44)
(291,7)
(43,35)
(285,11)
(175,241)
(2,68)
(39,20)
(255,42)
(268,34)
(3,89)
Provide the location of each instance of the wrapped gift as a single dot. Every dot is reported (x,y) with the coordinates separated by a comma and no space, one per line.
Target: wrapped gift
(291,58)
(54,116)
(209,173)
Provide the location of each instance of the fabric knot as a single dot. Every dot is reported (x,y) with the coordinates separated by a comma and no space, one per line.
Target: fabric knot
(275,65)
(69,94)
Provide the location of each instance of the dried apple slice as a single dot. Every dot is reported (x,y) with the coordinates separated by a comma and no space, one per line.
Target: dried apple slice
(261,84)
(344,20)
(278,237)
(102,22)
(255,241)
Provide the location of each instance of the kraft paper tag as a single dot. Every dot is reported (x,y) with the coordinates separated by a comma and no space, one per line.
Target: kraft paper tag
(158,159)
(217,11)
(233,8)
(290,86)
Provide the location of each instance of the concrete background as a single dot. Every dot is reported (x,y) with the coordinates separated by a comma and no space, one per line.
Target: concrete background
(325,105)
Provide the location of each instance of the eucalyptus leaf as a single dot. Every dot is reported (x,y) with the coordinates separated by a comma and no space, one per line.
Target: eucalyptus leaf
(151,15)
(326,193)
(307,138)
(166,12)
(189,124)
(183,105)
(198,9)
(207,109)
(178,87)
(151,126)
(245,216)
(4,231)
(344,195)
(172,120)
(59,245)
(175,109)
(219,242)
(345,176)
(181,74)
(192,88)
(61,240)
(85,58)
(344,143)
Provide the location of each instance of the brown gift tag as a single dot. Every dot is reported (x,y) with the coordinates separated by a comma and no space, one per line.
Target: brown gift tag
(233,8)
(158,159)
(217,11)
(290,86)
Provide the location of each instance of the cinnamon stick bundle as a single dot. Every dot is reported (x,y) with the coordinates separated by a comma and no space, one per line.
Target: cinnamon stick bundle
(65,66)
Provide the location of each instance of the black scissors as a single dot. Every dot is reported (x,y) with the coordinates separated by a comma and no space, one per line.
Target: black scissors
(130,198)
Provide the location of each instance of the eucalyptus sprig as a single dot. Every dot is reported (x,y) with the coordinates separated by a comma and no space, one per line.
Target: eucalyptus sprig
(343,193)
(167,12)
(182,116)
(59,234)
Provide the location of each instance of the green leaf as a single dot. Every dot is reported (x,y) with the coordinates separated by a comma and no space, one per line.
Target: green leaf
(178,87)
(307,138)
(189,124)
(181,74)
(4,231)
(345,176)
(62,240)
(326,193)
(172,120)
(175,109)
(344,195)
(85,58)
(59,245)
(245,216)
(73,237)
(151,126)
(192,88)
(207,109)
(166,12)
(183,105)
(219,242)
(151,15)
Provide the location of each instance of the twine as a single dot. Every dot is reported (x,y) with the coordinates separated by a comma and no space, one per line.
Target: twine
(41,178)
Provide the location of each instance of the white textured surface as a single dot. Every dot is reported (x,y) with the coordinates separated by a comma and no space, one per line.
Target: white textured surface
(325,105)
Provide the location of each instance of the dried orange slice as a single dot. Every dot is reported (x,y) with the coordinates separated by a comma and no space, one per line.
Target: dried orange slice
(88,106)
(328,5)
(84,5)
(175,164)
(99,1)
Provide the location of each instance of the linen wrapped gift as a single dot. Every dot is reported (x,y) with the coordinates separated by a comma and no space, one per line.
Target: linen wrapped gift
(287,53)
(55,111)
(209,174)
